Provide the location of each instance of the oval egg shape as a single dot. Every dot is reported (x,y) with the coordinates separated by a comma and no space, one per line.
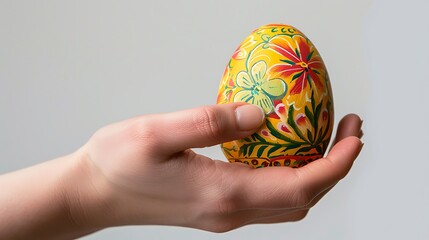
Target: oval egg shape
(278,68)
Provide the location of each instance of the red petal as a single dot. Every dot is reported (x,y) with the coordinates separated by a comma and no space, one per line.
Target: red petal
(325,115)
(286,51)
(315,63)
(304,49)
(315,79)
(234,56)
(231,82)
(273,115)
(265,133)
(286,70)
(281,109)
(300,84)
(300,120)
(284,128)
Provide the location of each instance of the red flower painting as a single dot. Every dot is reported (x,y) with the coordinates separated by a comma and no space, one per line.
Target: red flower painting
(300,62)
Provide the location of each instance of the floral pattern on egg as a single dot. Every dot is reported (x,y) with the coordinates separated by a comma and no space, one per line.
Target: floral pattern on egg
(279,69)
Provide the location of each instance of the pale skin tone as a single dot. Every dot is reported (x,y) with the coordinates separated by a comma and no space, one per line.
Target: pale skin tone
(141,171)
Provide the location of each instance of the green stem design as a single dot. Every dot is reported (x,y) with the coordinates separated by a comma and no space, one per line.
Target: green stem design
(249,148)
(278,135)
(295,128)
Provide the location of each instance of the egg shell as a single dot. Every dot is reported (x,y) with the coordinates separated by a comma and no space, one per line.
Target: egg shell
(279,69)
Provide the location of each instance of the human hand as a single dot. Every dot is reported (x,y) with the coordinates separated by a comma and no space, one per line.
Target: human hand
(142,171)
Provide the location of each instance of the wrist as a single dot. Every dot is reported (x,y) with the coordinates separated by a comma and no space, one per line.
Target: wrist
(52,200)
(86,195)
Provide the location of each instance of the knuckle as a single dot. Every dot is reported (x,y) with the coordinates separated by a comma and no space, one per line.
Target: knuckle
(100,133)
(144,130)
(209,123)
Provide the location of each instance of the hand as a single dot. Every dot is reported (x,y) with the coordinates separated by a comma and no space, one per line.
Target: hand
(142,171)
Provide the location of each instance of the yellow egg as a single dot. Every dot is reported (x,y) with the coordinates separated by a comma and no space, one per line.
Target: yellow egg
(279,69)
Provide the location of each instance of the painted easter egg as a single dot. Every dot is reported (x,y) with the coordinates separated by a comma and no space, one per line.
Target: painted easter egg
(279,69)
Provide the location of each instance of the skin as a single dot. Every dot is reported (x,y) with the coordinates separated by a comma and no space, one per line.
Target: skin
(141,171)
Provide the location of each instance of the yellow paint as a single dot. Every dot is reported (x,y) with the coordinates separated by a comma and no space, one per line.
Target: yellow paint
(279,69)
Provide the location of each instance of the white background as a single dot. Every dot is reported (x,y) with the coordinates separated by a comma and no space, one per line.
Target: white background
(69,67)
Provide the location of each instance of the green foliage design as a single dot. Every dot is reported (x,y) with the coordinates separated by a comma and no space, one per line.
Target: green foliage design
(256,145)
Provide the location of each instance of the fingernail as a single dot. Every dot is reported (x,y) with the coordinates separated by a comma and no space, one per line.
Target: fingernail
(249,117)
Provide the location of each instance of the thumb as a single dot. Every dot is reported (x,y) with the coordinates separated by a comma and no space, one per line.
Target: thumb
(205,126)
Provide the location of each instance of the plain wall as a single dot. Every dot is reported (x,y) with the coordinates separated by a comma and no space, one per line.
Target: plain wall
(69,67)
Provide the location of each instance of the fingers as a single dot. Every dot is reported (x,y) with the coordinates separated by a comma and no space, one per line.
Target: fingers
(326,172)
(288,215)
(272,195)
(204,126)
(350,125)
(296,188)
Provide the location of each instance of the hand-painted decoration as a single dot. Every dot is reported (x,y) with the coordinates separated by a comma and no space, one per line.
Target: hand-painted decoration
(279,69)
